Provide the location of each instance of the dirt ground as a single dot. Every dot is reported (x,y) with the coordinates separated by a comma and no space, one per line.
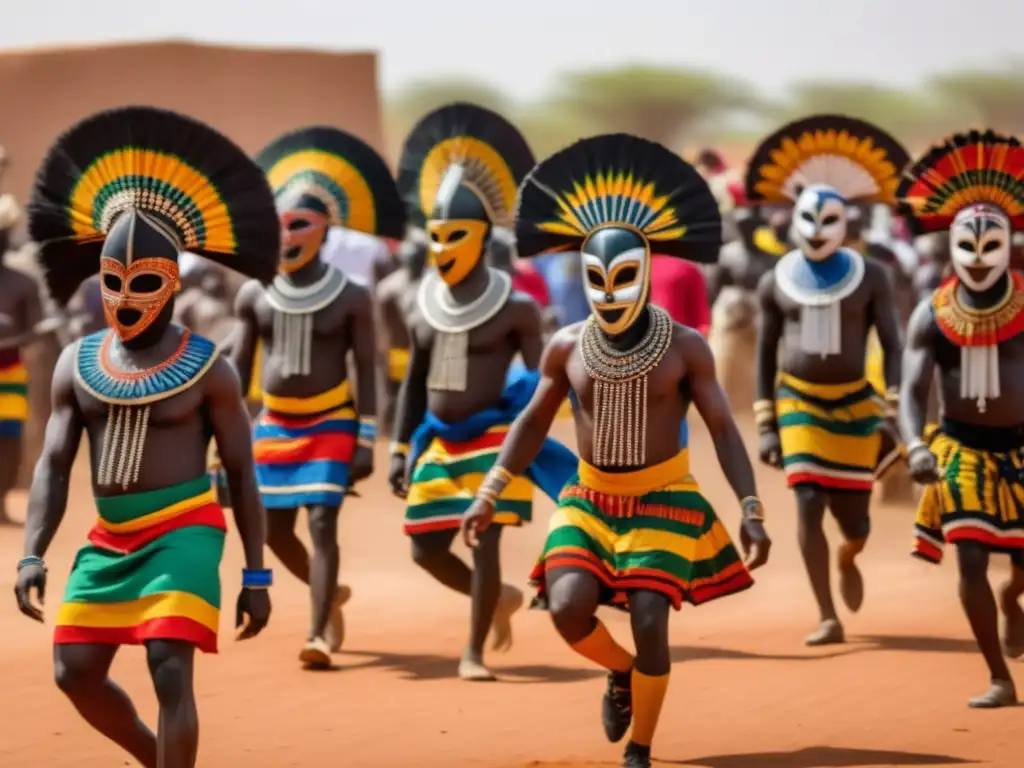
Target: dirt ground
(745,692)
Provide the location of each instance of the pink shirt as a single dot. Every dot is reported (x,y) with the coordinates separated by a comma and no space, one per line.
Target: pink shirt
(678,287)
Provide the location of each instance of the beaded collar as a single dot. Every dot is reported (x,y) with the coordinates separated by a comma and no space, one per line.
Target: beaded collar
(817,283)
(96,373)
(968,327)
(443,314)
(291,299)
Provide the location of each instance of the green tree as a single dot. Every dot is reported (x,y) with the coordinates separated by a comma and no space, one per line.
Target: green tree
(996,97)
(911,117)
(657,103)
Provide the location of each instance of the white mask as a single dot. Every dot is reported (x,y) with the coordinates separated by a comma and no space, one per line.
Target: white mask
(979,244)
(819,222)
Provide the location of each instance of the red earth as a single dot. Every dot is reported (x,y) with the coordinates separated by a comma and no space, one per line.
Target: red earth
(745,692)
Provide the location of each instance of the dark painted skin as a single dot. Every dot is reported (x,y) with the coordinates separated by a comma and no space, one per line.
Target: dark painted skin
(344,326)
(179,432)
(871,304)
(516,329)
(396,300)
(20,311)
(928,349)
(686,374)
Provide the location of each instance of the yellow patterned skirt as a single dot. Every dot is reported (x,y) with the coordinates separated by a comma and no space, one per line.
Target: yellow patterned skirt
(980,493)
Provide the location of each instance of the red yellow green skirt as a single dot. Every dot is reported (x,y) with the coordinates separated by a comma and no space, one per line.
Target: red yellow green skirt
(651,529)
(149,572)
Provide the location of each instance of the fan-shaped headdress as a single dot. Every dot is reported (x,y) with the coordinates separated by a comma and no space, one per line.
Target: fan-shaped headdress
(860,161)
(966,169)
(480,157)
(181,179)
(618,180)
(338,175)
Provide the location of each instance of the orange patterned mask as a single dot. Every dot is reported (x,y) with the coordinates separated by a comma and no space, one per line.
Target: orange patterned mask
(302,235)
(134,296)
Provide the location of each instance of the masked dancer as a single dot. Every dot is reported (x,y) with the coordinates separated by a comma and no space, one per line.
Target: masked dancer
(20,316)
(632,529)
(972,466)
(124,192)
(819,418)
(459,172)
(314,437)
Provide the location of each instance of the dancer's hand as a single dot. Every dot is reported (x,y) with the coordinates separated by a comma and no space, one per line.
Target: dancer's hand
(770,449)
(478,518)
(397,476)
(754,540)
(924,468)
(362,464)
(31,577)
(252,612)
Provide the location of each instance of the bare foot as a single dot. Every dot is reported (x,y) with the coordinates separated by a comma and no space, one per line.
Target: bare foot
(830,632)
(1013,623)
(1001,694)
(511,600)
(316,654)
(851,583)
(472,668)
(335,632)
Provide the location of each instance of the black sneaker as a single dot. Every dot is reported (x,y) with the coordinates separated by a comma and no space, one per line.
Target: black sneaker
(636,756)
(617,707)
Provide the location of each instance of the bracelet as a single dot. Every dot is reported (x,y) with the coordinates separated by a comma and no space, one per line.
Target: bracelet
(752,508)
(494,484)
(764,413)
(367,432)
(399,449)
(257,578)
(914,444)
(31,560)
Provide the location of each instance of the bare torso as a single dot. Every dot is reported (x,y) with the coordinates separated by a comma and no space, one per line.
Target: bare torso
(492,347)
(668,397)
(857,316)
(178,431)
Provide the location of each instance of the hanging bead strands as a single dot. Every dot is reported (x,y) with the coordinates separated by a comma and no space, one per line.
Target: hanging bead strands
(819,288)
(449,360)
(978,333)
(294,310)
(620,389)
(130,394)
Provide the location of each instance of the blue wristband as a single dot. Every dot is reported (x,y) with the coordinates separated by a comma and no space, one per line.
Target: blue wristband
(257,578)
(31,560)
(368,432)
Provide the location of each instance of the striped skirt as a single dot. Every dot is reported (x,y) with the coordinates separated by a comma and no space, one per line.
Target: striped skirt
(831,434)
(13,394)
(303,448)
(149,572)
(980,493)
(446,478)
(646,530)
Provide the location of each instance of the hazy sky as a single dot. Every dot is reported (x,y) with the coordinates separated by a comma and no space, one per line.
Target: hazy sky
(521,45)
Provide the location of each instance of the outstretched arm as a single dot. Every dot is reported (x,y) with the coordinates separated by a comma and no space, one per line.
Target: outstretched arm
(48,496)
(230,422)
(243,350)
(713,406)
(918,369)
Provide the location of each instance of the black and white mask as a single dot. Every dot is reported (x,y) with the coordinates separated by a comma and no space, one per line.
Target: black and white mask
(980,244)
(819,222)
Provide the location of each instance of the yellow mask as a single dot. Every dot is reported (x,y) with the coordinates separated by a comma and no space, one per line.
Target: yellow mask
(456,246)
